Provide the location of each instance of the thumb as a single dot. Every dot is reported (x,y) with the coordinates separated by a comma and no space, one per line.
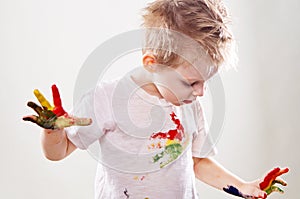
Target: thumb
(68,121)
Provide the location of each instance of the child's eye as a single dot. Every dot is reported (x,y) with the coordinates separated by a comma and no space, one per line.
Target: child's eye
(194,83)
(186,83)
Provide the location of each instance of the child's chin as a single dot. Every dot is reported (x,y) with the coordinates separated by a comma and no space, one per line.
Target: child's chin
(183,102)
(187,101)
(177,103)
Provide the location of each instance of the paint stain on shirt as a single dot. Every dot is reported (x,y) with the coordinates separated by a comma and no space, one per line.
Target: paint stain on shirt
(172,143)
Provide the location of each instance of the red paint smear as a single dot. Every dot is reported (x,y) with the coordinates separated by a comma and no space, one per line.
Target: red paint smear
(177,133)
(58,109)
(271,176)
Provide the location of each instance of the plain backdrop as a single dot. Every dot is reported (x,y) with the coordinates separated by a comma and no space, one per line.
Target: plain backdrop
(45,42)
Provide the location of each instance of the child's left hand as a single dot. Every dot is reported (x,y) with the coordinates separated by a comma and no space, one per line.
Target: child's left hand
(268,184)
(247,190)
(260,189)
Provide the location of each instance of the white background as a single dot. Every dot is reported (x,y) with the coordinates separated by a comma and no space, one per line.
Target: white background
(45,42)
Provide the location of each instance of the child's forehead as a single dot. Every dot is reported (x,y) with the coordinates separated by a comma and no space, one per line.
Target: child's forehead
(200,67)
(194,55)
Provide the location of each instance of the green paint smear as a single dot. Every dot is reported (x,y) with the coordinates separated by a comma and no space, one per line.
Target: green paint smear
(273,189)
(172,150)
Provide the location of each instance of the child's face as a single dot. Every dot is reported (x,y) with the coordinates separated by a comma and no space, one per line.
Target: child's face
(183,84)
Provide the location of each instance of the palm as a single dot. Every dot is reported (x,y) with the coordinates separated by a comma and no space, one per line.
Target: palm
(248,190)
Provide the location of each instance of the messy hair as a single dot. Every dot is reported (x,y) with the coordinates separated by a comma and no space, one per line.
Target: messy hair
(205,21)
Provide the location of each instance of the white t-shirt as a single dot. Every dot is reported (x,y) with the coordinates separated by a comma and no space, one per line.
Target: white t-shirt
(144,145)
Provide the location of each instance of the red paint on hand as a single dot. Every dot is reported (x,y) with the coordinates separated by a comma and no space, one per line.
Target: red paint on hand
(271,176)
(58,109)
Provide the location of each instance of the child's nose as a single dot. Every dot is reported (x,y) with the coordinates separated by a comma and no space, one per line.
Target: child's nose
(199,90)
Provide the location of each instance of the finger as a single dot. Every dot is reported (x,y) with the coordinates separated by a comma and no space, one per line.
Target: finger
(282,171)
(274,189)
(82,121)
(30,118)
(58,109)
(63,122)
(56,96)
(43,101)
(43,114)
(35,107)
(46,124)
(280,181)
(277,189)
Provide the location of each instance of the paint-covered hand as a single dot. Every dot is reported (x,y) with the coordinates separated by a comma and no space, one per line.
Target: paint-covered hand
(268,184)
(258,188)
(247,190)
(53,117)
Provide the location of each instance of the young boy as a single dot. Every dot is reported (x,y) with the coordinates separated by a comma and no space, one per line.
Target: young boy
(148,125)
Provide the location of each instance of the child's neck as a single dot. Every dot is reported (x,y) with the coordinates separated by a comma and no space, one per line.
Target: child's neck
(144,80)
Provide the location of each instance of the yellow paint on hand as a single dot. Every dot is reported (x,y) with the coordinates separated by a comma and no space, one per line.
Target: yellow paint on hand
(43,101)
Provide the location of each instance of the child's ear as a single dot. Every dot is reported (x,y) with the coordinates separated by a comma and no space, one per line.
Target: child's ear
(149,62)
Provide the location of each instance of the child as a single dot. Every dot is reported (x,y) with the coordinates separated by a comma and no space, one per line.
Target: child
(148,125)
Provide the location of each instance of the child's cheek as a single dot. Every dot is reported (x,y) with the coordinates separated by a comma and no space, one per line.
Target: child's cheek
(184,92)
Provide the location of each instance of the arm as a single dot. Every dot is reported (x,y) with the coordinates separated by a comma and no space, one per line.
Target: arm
(56,145)
(213,174)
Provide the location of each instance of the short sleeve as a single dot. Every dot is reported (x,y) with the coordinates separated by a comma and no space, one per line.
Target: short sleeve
(202,145)
(95,105)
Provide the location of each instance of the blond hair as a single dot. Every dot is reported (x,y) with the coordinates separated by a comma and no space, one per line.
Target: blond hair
(205,21)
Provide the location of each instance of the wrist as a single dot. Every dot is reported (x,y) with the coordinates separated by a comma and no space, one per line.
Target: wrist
(52,137)
(51,131)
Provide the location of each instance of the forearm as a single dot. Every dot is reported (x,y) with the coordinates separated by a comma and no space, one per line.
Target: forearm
(56,145)
(212,173)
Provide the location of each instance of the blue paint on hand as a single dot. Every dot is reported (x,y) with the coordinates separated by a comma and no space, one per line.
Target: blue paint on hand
(234,191)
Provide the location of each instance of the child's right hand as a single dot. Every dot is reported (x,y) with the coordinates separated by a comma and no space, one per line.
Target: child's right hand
(53,117)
